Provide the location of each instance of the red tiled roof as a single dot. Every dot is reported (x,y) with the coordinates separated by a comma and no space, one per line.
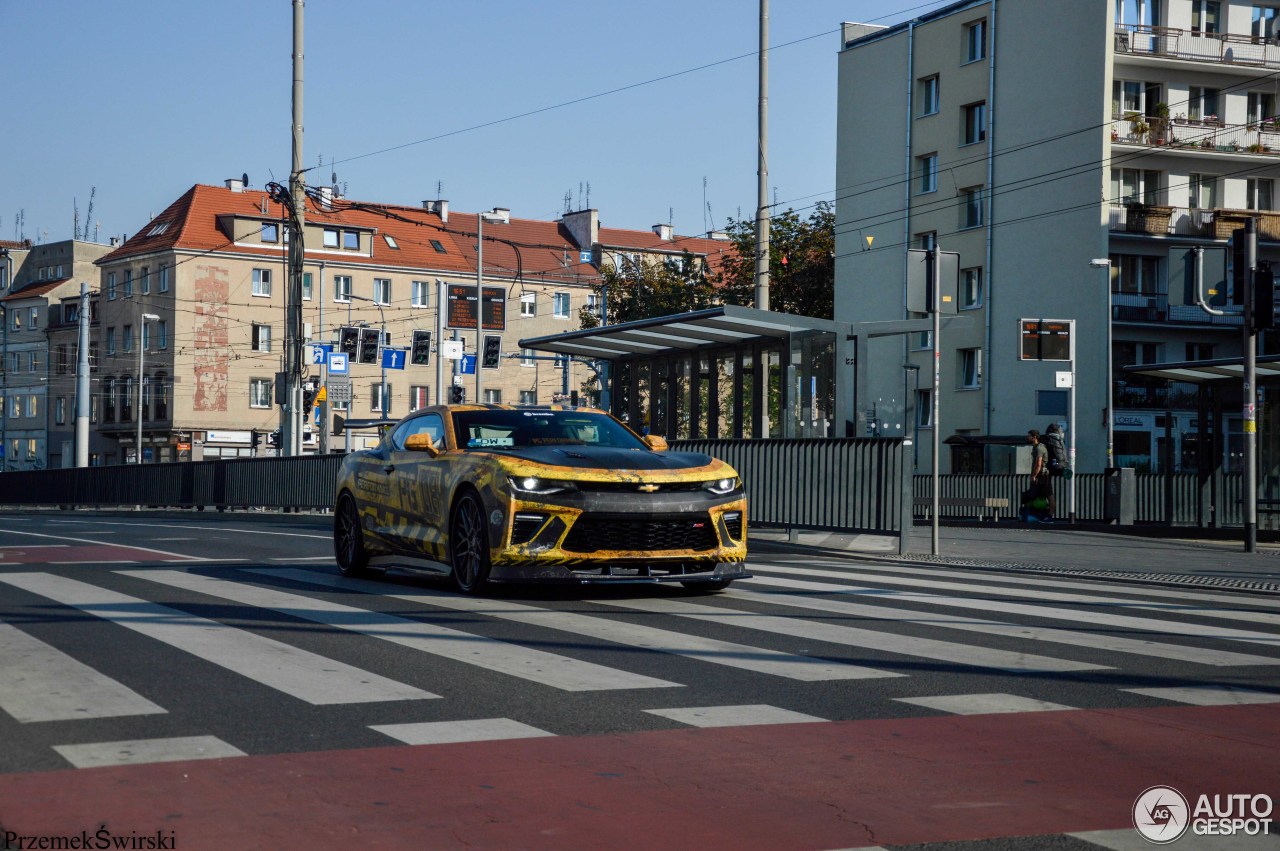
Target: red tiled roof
(35,289)
(15,243)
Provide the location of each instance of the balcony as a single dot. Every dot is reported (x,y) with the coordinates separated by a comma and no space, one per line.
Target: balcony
(1216,48)
(1155,307)
(1199,136)
(1217,223)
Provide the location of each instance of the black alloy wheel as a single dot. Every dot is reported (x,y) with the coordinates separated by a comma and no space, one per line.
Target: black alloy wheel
(469,546)
(348,539)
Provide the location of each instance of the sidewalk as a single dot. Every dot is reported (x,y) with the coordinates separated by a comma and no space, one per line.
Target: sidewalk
(1058,549)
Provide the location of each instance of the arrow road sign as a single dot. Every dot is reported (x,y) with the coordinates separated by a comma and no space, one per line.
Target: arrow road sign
(393,358)
(319,352)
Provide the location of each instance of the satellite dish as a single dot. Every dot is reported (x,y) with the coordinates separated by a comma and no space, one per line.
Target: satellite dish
(244,178)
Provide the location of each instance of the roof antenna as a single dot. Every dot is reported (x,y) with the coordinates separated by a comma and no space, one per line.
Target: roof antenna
(706,225)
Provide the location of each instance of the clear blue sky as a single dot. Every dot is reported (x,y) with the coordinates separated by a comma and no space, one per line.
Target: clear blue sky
(144,98)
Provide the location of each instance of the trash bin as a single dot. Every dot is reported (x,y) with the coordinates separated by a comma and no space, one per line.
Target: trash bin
(1119,495)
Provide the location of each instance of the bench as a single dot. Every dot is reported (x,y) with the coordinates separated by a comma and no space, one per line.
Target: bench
(981,504)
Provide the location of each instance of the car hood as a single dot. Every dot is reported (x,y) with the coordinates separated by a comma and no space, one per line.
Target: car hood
(607,458)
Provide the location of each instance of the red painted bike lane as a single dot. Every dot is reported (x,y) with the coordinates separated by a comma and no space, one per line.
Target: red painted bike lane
(802,786)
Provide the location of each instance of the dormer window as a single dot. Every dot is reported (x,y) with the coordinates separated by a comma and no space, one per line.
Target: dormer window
(351,240)
(391,241)
(330,238)
(270,232)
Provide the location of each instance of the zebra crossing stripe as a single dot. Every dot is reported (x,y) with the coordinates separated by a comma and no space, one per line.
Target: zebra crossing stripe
(306,676)
(1055,635)
(38,682)
(745,657)
(986,604)
(905,645)
(1209,695)
(982,704)
(452,732)
(140,751)
(734,716)
(549,669)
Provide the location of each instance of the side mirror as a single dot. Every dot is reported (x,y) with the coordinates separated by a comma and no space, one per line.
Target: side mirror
(421,442)
(656,443)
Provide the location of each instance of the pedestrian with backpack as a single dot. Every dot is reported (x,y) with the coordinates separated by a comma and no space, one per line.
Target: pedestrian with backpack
(1039,503)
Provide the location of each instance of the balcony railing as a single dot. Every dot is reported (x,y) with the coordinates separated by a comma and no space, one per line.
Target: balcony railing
(1155,307)
(1174,43)
(1201,135)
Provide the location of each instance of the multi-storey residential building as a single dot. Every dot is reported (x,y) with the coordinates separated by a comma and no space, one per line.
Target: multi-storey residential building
(211,272)
(48,273)
(1032,139)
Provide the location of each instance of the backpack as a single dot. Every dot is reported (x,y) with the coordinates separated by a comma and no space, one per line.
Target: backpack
(1057,452)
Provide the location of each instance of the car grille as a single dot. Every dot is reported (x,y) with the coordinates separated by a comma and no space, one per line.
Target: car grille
(525,526)
(590,535)
(634,487)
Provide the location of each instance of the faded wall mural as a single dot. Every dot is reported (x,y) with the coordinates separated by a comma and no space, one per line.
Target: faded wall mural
(212,355)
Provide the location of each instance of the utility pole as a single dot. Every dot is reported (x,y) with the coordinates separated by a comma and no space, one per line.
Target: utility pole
(479,302)
(324,406)
(291,432)
(1250,388)
(762,168)
(82,381)
(439,336)
(935,305)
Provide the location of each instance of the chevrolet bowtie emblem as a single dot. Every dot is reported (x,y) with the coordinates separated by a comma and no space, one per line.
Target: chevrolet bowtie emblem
(647,488)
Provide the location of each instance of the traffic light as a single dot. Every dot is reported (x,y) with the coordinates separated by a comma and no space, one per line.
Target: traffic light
(420,354)
(349,343)
(1238,266)
(369,339)
(273,439)
(492,351)
(310,391)
(457,395)
(255,439)
(1264,297)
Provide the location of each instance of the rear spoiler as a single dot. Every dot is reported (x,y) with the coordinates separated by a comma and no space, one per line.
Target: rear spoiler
(340,425)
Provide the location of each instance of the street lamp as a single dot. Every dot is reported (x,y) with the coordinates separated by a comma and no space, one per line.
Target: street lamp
(491,216)
(142,347)
(1104,263)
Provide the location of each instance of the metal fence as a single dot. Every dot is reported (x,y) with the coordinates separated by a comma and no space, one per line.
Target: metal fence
(1175,499)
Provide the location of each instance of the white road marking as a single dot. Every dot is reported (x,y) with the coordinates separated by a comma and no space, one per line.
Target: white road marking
(216,529)
(448,732)
(33,546)
(982,704)
(1209,695)
(304,675)
(904,645)
(325,557)
(141,751)
(757,659)
(550,669)
(734,716)
(1128,839)
(102,544)
(38,682)
(1022,632)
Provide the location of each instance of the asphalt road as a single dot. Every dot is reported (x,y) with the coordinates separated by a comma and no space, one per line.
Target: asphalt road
(213,676)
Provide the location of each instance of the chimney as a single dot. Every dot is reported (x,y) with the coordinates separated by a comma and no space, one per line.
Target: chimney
(439,207)
(663,232)
(720,234)
(583,226)
(326,197)
(113,241)
(500,215)
(235,184)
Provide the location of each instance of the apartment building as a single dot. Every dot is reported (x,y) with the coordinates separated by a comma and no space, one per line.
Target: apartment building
(201,291)
(1035,139)
(45,275)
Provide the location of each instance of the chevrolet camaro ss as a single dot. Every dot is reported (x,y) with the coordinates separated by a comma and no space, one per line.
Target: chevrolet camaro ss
(495,493)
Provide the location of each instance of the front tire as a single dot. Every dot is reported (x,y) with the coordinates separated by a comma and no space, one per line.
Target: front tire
(348,539)
(469,546)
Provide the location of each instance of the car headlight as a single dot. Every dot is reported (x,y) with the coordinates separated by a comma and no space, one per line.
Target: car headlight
(719,487)
(540,487)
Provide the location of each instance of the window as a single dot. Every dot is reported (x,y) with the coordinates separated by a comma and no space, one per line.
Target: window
(32,445)
(33,362)
(1199,351)
(342,288)
(528,397)
(351,240)
(927,240)
(970,368)
(1126,97)
(34,315)
(270,232)
(971,287)
(146,336)
(128,283)
(61,360)
(146,280)
(438,246)
(60,411)
(1264,22)
(561,305)
(161,382)
(111,341)
(1261,191)
(1202,103)
(527,358)
(109,400)
(15,407)
(306,286)
(1203,191)
(144,412)
(419,397)
(261,338)
(259,392)
(17,320)
(924,408)
(381,291)
(262,282)
(421,293)
(927,168)
(1136,273)
(391,241)
(162,279)
(33,406)
(1261,107)
(975,123)
(492,396)
(1131,186)
(111,286)
(1205,15)
(378,392)
(528,305)
(930,100)
(971,216)
(330,238)
(127,335)
(975,40)
(921,340)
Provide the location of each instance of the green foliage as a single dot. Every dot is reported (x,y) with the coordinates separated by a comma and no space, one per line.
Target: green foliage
(801,263)
(650,287)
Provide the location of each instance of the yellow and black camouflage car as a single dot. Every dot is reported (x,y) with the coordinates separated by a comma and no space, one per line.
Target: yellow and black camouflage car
(496,493)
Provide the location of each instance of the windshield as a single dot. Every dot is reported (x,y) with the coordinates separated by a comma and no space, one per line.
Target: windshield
(513,429)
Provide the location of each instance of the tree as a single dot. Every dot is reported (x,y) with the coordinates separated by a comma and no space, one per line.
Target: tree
(801,263)
(650,286)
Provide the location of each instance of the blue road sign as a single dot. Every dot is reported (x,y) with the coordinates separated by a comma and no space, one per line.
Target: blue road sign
(584,256)
(393,358)
(468,365)
(319,352)
(339,363)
